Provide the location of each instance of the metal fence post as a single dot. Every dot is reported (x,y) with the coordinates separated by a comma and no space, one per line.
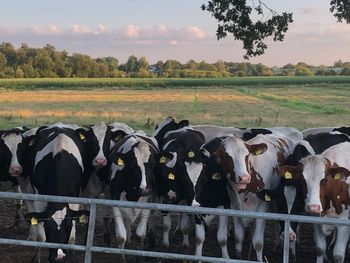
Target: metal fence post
(286,241)
(91,232)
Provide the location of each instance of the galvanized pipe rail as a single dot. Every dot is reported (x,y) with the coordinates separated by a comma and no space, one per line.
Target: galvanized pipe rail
(89,248)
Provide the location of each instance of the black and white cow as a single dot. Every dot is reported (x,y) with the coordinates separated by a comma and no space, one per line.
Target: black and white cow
(178,169)
(211,191)
(58,169)
(13,148)
(132,163)
(290,193)
(342,129)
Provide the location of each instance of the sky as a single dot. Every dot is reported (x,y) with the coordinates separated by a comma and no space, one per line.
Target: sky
(168,29)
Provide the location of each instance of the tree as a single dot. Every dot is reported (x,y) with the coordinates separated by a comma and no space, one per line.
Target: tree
(3,61)
(253,21)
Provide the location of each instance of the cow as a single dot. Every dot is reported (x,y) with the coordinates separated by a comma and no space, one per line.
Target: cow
(289,194)
(13,147)
(58,169)
(178,169)
(251,166)
(342,129)
(324,178)
(132,162)
(211,191)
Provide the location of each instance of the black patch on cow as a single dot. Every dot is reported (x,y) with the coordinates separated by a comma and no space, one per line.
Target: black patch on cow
(254,132)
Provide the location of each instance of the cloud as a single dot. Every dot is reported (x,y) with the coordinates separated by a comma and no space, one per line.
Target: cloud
(313,10)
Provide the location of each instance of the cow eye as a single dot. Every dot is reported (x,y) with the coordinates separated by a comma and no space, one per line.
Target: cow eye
(323,182)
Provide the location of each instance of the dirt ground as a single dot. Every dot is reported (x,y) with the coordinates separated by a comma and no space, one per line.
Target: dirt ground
(273,252)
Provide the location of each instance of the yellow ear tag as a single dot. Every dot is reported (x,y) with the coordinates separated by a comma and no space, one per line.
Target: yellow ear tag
(162,159)
(82,137)
(267,198)
(288,175)
(190,154)
(82,219)
(117,138)
(337,176)
(216,177)
(171,176)
(34,221)
(120,162)
(258,151)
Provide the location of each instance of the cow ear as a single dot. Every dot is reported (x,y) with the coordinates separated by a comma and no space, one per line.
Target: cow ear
(34,218)
(339,173)
(183,123)
(289,172)
(82,134)
(256,149)
(117,135)
(29,140)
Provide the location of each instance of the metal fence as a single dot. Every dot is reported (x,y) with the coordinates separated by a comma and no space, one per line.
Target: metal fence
(92,203)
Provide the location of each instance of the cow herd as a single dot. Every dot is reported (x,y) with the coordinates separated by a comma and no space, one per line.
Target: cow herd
(251,169)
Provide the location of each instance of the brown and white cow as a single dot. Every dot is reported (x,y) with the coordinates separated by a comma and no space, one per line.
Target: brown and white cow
(251,166)
(326,193)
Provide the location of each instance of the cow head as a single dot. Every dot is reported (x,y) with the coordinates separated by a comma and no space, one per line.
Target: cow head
(12,150)
(132,162)
(233,155)
(98,141)
(169,124)
(58,223)
(322,181)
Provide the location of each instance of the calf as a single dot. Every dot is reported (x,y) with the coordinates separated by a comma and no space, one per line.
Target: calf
(59,154)
(178,169)
(251,166)
(132,178)
(326,193)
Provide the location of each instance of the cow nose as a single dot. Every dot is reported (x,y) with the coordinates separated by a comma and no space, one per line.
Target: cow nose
(101,162)
(314,208)
(14,170)
(171,195)
(245,179)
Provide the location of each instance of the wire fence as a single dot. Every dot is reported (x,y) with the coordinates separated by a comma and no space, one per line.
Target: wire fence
(89,248)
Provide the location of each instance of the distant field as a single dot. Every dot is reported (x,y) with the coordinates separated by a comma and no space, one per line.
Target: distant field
(143,83)
(300,106)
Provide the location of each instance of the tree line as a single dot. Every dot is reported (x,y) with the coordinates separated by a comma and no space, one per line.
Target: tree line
(47,62)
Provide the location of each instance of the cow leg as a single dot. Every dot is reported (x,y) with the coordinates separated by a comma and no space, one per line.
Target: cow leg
(120,230)
(71,253)
(40,236)
(166,229)
(107,232)
(340,244)
(222,236)
(141,229)
(320,241)
(19,215)
(239,235)
(258,238)
(200,234)
(185,229)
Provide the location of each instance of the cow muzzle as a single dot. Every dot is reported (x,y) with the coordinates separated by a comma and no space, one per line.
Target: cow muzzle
(171,195)
(245,179)
(101,162)
(313,209)
(15,170)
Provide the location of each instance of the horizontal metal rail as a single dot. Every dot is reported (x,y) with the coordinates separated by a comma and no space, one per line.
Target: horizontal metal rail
(176,208)
(89,248)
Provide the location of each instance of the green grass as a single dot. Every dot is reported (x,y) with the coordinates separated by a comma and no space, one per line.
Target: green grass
(300,106)
(144,83)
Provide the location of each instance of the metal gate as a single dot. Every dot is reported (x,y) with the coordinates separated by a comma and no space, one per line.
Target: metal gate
(92,203)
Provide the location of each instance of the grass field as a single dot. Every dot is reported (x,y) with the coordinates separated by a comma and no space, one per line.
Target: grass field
(300,106)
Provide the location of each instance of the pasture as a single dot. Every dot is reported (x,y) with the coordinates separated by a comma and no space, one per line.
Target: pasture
(301,106)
